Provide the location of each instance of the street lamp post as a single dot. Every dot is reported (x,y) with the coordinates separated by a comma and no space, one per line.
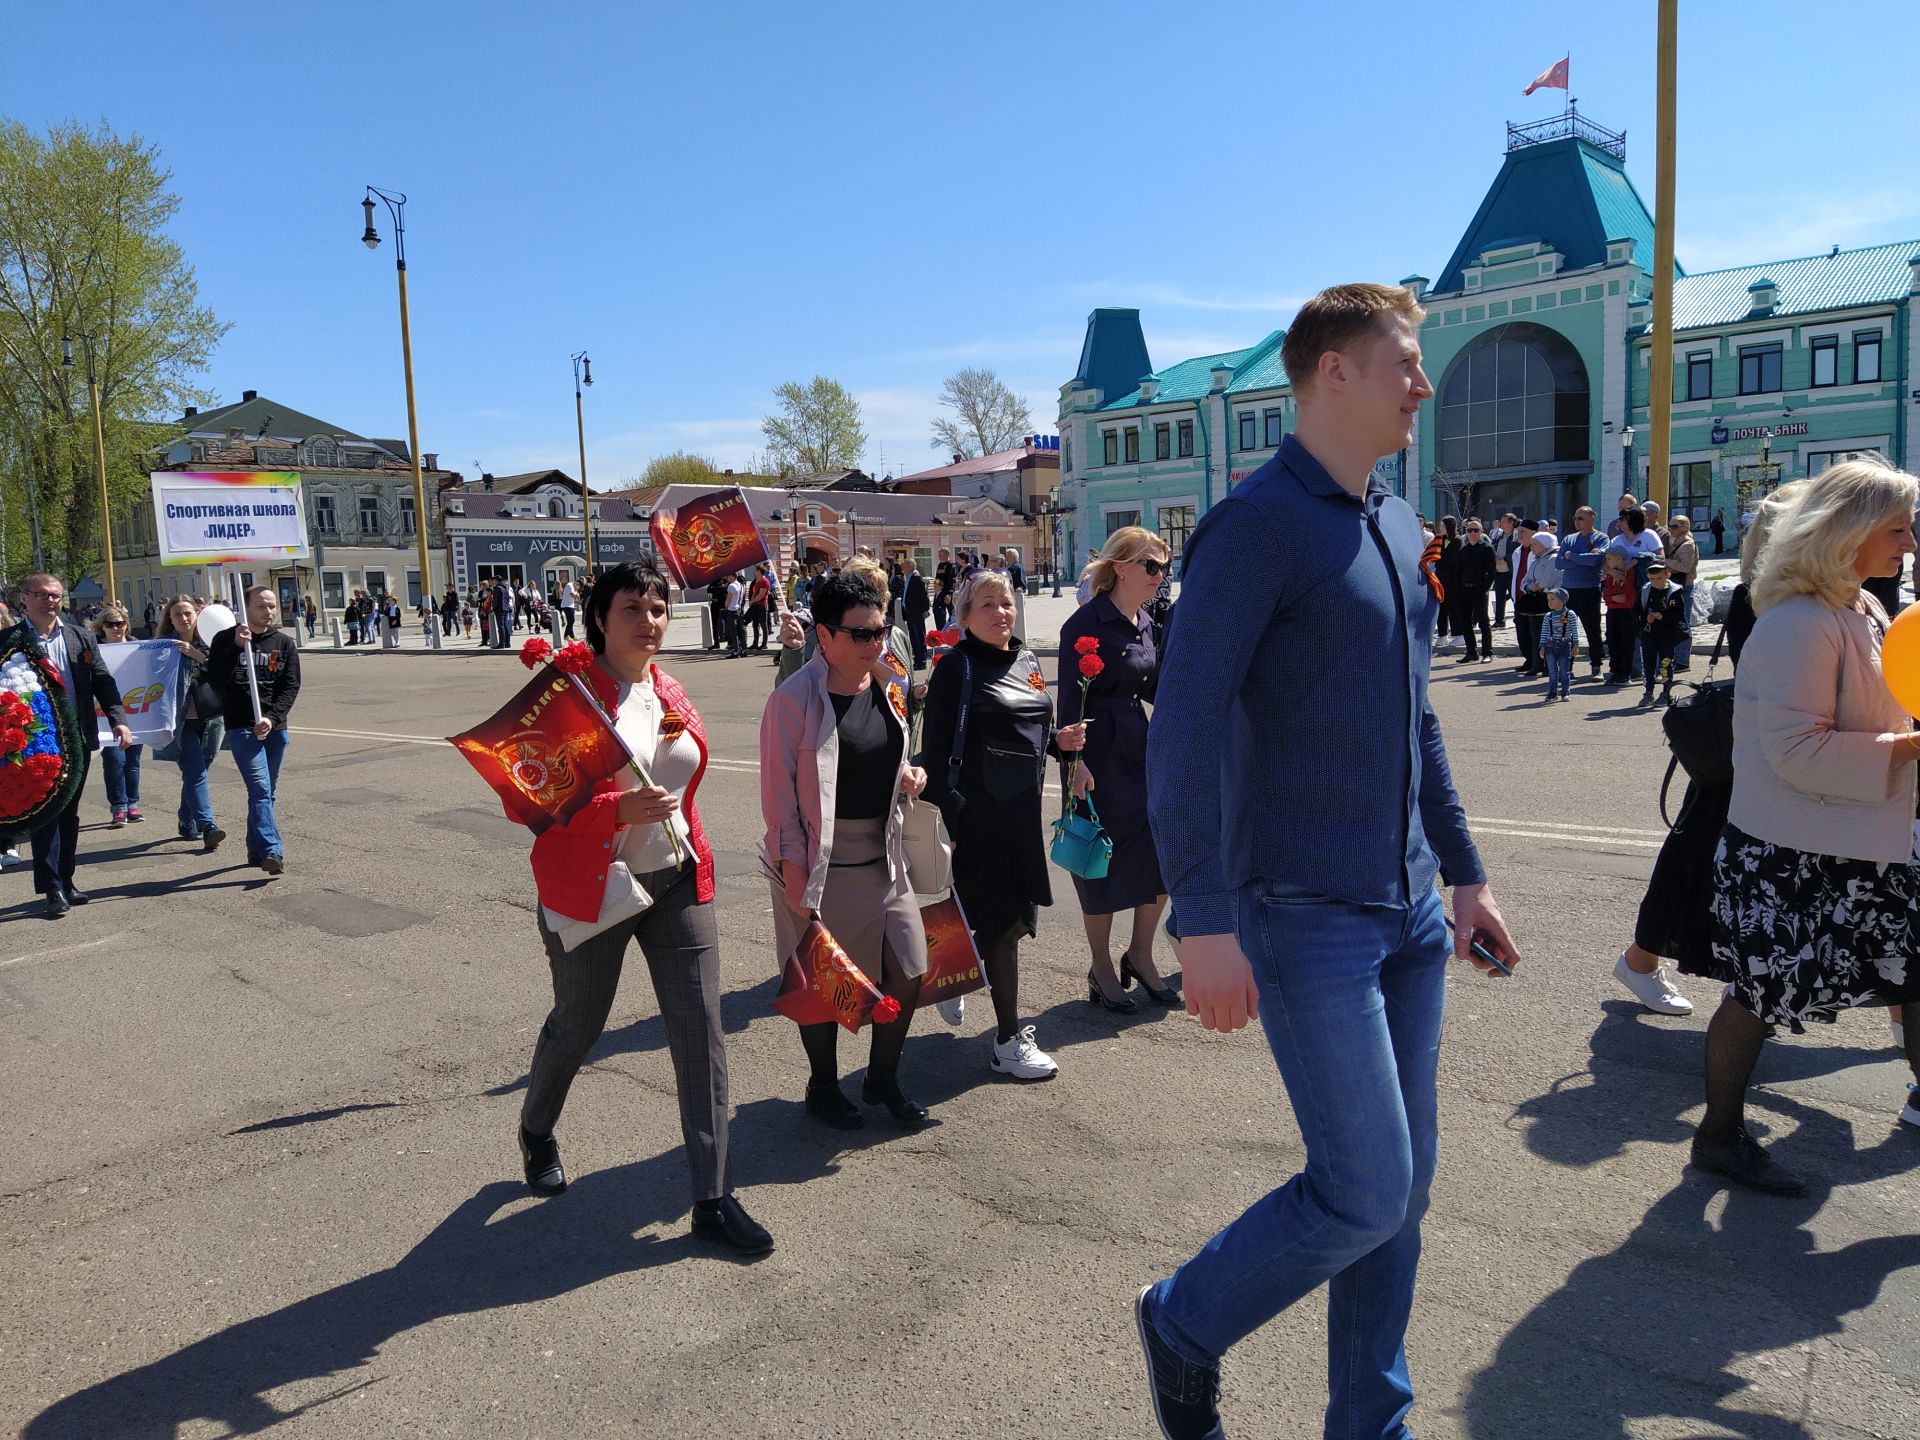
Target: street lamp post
(1626,461)
(397,208)
(583,375)
(99,452)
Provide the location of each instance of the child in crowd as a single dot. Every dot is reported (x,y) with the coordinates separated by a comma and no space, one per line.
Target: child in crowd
(1619,597)
(1559,644)
(1663,608)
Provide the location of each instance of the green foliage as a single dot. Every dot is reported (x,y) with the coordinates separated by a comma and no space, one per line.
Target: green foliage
(83,251)
(817,428)
(682,467)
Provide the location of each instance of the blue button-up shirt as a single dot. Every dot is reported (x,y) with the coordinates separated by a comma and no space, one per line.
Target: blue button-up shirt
(1292,738)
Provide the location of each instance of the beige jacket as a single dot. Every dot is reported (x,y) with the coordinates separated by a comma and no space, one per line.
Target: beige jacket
(1813,723)
(799,763)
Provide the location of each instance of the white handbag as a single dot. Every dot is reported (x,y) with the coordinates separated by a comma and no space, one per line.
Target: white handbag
(623,899)
(929,850)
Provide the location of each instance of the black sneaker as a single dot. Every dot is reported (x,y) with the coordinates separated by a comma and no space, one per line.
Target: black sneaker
(1745,1161)
(1186,1397)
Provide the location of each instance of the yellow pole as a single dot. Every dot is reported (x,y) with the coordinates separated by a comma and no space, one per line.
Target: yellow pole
(413,446)
(100,468)
(1660,370)
(586,507)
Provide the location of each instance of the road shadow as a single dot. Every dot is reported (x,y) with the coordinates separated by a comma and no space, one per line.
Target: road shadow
(1655,1328)
(1642,1076)
(474,1260)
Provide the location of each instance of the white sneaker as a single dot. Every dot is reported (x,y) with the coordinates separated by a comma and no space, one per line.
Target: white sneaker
(1911,1115)
(953,1011)
(1655,991)
(10,857)
(1022,1059)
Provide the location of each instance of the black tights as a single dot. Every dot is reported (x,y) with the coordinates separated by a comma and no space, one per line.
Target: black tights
(1734,1039)
(822,1042)
(1001,962)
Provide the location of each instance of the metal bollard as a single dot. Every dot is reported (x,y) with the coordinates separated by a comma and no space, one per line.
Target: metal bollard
(339,641)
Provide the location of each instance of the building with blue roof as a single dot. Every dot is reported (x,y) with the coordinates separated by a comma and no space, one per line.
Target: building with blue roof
(1536,339)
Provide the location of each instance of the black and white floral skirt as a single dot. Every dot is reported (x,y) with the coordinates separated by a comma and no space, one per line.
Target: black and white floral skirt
(1805,936)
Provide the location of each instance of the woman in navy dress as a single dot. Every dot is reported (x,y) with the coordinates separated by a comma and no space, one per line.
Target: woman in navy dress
(1113,767)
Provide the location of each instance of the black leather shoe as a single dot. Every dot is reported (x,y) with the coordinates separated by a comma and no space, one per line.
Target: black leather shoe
(1128,975)
(1186,1397)
(210,839)
(828,1104)
(77,897)
(57,905)
(727,1223)
(907,1114)
(1124,1005)
(541,1159)
(1745,1161)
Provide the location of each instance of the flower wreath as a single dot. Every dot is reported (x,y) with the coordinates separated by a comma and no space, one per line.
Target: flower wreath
(40,748)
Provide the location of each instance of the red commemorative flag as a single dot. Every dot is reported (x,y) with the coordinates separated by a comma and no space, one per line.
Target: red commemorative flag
(819,982)
(709,537)
(544,751)
(1554,77)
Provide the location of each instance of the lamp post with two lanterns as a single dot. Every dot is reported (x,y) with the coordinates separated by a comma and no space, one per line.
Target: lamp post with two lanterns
(397,208)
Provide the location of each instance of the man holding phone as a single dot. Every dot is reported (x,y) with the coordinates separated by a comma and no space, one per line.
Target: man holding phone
(1303,808)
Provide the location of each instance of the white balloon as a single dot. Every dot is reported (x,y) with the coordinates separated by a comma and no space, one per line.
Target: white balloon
(213,619)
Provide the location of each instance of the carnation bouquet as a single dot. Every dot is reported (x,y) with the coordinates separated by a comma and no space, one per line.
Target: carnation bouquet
(41,753)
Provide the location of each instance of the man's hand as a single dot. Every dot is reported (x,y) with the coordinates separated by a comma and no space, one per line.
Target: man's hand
(124,736)
(1218,982)
(243,634)
(262,728)
(1474,909)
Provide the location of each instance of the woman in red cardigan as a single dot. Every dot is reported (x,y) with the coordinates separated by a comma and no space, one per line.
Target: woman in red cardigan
(610,875)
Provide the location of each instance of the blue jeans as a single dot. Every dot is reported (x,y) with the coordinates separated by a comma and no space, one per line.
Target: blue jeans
(122,770)
(259,762)
(1559,673)
(196,796)
(1351,998)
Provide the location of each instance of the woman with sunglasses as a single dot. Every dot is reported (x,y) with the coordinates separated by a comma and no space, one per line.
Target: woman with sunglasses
(120,767)
(1115,625)
(833,770)
(987,733)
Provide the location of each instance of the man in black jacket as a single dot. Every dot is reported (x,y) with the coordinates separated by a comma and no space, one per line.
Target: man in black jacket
(1474,576)
(915,605)
(258,744)
(84,682)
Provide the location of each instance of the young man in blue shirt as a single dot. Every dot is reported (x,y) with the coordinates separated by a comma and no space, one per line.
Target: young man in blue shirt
(1303,808)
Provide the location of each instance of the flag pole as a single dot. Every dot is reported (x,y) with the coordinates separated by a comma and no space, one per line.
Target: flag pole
(1660,371)
(239,597)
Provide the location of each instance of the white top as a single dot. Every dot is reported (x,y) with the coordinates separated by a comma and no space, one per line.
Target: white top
(736,595)
(672,764)
(569,597)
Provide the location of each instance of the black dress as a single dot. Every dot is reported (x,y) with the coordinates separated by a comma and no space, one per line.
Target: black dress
(1116,751)
(1675,918)
(993,806)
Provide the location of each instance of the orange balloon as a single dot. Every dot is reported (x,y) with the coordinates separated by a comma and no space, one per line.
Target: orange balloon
(1900,660)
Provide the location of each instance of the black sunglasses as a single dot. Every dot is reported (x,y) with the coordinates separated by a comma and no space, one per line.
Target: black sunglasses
(1152,567)
(113,624)
(860,635)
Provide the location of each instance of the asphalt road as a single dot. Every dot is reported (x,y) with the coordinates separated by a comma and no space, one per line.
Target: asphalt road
(257,1161)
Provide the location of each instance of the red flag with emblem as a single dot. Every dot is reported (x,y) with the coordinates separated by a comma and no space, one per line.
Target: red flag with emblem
(707,538)
(820,982)
(545,751)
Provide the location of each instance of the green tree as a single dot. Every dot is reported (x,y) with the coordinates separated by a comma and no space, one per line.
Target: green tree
(816,429)
(988,417)
(682,467)
(83,251)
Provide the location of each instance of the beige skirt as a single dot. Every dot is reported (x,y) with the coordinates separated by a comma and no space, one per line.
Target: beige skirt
(876,922)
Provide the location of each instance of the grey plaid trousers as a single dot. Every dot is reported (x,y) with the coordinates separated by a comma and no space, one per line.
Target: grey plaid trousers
(681,943)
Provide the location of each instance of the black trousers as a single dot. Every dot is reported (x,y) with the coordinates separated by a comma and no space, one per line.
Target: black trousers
(1526,629)
(1469,609)
(917,633)
(1623,633)
(56,843)
(1502,588)
(1586,605)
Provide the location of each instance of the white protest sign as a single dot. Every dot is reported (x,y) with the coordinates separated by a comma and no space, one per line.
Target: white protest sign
(205,517)
(148,673)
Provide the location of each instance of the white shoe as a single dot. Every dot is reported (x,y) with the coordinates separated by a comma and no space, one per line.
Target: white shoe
(1022,1059)
(10,857)
(1911,1115)
(1655,991)
(953,1011)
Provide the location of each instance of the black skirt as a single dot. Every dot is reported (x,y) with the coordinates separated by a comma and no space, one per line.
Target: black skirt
(1675,917)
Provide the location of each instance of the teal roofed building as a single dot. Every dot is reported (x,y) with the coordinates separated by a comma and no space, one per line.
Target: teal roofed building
(1536,342)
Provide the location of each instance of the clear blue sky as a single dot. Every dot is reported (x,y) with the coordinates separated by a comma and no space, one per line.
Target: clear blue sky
(714,198)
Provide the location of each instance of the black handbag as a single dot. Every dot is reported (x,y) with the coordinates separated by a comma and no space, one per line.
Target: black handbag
(1699,726)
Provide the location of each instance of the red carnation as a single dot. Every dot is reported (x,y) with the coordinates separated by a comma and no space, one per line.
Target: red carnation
(534,651)
(573,659)
(1091,665)
(886,1010)
(1087,645)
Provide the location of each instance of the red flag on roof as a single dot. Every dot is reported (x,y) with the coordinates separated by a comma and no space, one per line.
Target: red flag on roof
(710,536)
(1554,77)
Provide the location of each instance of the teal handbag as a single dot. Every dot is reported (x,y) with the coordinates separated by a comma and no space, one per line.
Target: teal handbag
(1080,846)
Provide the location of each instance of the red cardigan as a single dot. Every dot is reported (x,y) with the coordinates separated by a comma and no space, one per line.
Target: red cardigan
(570,861)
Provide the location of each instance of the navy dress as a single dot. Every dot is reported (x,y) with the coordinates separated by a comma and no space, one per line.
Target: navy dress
(1116,749)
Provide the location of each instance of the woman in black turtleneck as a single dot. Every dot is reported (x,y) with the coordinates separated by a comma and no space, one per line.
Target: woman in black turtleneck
(990,693)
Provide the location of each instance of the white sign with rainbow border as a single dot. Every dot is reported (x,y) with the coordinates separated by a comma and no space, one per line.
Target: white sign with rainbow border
(205,517)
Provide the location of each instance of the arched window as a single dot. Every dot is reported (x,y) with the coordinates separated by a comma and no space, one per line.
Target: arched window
(556,509)
(1516,397)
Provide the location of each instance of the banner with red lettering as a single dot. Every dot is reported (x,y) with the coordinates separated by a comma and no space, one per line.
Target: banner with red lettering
(545,751)
(708,538)
(953,960)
